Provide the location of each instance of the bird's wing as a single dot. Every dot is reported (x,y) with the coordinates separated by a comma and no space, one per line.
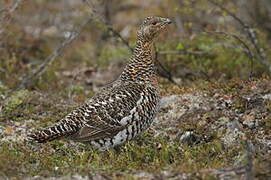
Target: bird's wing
(108,112)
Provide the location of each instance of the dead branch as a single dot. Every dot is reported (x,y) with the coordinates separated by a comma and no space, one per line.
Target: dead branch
(8,11)
(168,74)
(252,36)
(39,71)
(245,47)
(6,14)
(260,51)
(27,81)
(185,52)
(109,27)
(116,34)
(229,12)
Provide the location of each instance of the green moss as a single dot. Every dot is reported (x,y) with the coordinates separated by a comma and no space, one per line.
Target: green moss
(76,89)
(215,61)
(15,100)
(3,88)
(61,159)
(144,154)
(207,155)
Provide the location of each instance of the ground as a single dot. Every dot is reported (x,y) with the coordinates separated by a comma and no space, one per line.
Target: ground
(214,76)
(209,131)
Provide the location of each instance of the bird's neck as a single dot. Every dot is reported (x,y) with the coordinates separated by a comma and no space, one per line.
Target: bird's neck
(141,66)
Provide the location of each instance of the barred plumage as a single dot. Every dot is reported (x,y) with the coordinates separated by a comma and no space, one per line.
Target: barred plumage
(122,109)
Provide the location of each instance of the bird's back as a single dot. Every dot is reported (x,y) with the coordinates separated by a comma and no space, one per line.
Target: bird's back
(111,117)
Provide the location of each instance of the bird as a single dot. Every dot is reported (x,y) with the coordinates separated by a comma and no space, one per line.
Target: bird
(122,109)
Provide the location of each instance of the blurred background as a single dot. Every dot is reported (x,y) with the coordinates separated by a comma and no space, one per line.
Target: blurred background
(205,42)
(214,70)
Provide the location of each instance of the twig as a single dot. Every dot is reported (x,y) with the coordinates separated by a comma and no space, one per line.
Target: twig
(260,51)
(245,48)
(91,7)
(117,34)
(58,51)
(168,73)
(230,13)
(126,43)
(181,52)
(251,34)
(7,12)
(27,81)
(110,28)
(235,36)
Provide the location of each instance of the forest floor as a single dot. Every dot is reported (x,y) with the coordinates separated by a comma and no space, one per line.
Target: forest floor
(203,131)
(215,120)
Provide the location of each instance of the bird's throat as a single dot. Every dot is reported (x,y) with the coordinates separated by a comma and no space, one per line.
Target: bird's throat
(141,66)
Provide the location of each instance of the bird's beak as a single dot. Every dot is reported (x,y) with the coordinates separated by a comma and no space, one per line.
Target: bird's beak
(167,21)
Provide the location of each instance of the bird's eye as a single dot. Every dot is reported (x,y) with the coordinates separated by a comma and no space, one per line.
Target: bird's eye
(154,23)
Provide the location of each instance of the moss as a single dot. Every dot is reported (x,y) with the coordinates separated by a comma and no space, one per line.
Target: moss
(207,155)
(15,100)
(61,159)
(76,89)
(216,73)
(3,89)
(147,153)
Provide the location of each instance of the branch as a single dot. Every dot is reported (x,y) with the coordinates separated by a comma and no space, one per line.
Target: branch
(39,71)
(7,12)
(168,73)
(182,52)
(58,51)
(109,27)
(229,12)
(245,47)
(239,39)
(116,34)
(252,36)
(260,51)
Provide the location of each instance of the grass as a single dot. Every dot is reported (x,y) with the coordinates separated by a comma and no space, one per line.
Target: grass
(56,159)
(149,153)
(217,79)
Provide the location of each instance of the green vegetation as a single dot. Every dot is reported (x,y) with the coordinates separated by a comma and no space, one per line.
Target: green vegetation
(221,99)
(15,100)
(211,146)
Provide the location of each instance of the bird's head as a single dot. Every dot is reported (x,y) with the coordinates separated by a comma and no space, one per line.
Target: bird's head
(151,27)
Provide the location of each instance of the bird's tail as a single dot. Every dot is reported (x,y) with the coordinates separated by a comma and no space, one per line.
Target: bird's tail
(53,132)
